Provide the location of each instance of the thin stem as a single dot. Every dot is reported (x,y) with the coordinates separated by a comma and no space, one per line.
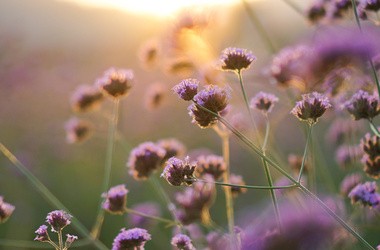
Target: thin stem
(256,22)
(112,129)
(243,186)
(49,197)
(60,241)
(131,211)
(369,59)
(295,7)
(309,129)
(374,128)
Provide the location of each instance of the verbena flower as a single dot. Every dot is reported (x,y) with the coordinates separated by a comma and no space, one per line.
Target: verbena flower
(316,11)
(182,242)
(154,96)
(149,54)
(237,180)
(131,239)
(347,155)
(211,164)
(180,66)
(77,130)
(115,83)
(144,160)
(365,194)
(349,182)
(148,208)
(341,129)
(362,105)
(187,89)
(42,234)
(311,107)
(6,210)
(173,147)
(177,172)
(115,199)
(212,98)
(372,5)
(263,102)
(70,239)
(236,59)
(86,98)
(58,219)
(371,158)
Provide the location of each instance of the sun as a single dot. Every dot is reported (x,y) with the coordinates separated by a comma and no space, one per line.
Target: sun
(153,7)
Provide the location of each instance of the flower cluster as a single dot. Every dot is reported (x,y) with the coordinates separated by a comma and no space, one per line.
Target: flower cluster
(178,172)
(6,210)
(116,200)
(371,158)
(236,59)
(86,98)
(211,164)
(77,130)
(366,194)
(134,238)
(362,105)
(115,83)
(182,242)
(264,102)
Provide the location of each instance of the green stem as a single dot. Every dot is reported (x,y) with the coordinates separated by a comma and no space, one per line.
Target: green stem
(374,128)
(49,197)
(256,22)
(112,128)
(309,129)
(60,241)
(131,211)
(244,186)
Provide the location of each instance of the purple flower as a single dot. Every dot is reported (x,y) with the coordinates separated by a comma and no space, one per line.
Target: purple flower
(187,89)
(116,199)
(148,208)
(42,234)
(341,129)
(311,107)
(371,159)
(173,147)
(155,96)
(144,160)
(316,11)
(263,102)
(349,182)
(115,83)
(346,155)
(373,5)
(70,239)
(131,239)
(211,164)
(182,242)
(362,105)
(237,180)
(77,130)
(58,219)
(236,59)
(177,171)
(365,194)
(212,98)
(86,98)
(6,210)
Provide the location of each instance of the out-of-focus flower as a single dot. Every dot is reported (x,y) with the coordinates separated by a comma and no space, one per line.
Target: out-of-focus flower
(148,208)
(180,66)
(155,96)
(77,130)
(295,163)
(42,234)
(349,182)
(236,59)
(177,171)
(365,194)
(347,155)
(116,83)
(115,199)
(211,164)
(212,98)
(362,105)
(182,242)
(316,11)
(263,102)
(70,239)
(311,107)
(371,159)
(187,89)
(237,180)
(144,160)
(342,129)
(131,239)
(173,147)
(58,219)
(86,98)
(371,5)
(149,54)
(6,210)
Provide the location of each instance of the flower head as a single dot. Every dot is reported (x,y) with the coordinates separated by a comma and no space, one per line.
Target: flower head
(263,102)
(346,155)
(58,219)
(116,199)
(70,239)
(237,180)
(42,234)
(6,210)
(182,242)
(311,107)
(187,89)
(144,160)
(86,98)
(349,182)
(77,130)
(362,105)
(371,158)
(177,171)
(365,194)
(155,96)
(211,164)
(115,83)
(131,239)
(316,11)
(236,59)
(173,147)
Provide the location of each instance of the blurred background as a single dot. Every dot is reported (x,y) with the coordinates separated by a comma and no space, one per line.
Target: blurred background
(48,48)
